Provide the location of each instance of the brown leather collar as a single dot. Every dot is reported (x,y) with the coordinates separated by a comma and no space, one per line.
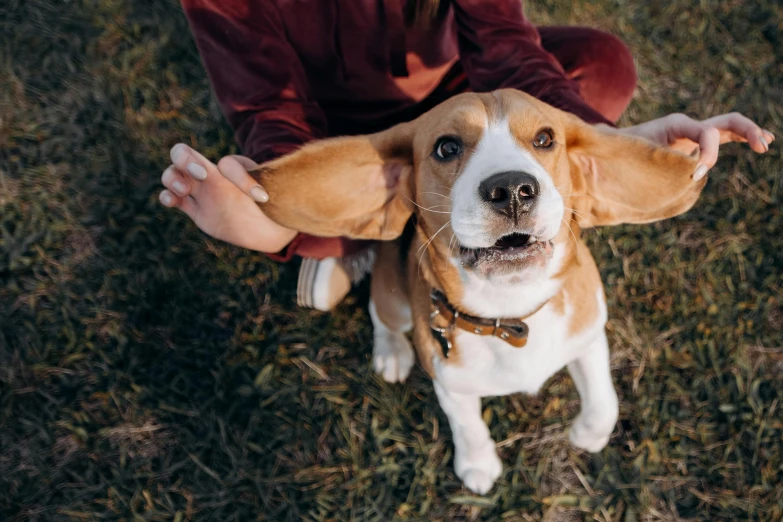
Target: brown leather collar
(445,318)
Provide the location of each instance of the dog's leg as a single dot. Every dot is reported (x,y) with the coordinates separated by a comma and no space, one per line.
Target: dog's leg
(390,310)
(591,374)
(476,461)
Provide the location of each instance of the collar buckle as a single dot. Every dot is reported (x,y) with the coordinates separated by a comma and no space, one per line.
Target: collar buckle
(442,334)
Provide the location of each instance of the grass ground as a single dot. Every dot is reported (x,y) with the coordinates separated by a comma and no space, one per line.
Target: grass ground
(147,373)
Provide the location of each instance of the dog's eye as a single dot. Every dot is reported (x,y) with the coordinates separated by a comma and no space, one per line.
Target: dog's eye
(543,139)
(447,148)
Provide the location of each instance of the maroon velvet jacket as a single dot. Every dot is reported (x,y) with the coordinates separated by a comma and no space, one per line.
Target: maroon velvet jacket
(288,71)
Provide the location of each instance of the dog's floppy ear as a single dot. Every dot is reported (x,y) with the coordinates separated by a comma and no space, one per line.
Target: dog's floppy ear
(622,179)
(359,187)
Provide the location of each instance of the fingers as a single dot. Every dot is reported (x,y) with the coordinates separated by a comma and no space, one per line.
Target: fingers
(246,162)
(707,136)
(186,204)
(709,146)
(181,179)
(189,167)
(188,160)
(234,169)
(175,181)
(736,127)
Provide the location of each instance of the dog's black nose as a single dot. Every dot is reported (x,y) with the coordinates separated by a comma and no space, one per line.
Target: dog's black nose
(510,193)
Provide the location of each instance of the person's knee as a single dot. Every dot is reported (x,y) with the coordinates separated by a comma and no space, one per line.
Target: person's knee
(619,62)
(609,76)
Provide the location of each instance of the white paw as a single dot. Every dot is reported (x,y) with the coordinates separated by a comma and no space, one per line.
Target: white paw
(393,356)
(590,436)
(478,481)
(480,471)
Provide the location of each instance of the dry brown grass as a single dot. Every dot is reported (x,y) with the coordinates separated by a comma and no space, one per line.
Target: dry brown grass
(147,373)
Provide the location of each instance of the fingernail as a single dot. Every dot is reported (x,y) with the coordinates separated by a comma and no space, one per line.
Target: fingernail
(165,198)
(700,172)
(197,171)
(259,194)
(179,188)
(764,142)
(177,152)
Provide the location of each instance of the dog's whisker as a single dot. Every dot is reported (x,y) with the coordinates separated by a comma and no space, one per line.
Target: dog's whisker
(423,248)
(444,186)
(427,209)
(437,194)
(577,212)
(426,244)
(453,237)
(568,225)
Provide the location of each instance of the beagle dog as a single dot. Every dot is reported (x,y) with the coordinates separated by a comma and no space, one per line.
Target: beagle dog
(479,204)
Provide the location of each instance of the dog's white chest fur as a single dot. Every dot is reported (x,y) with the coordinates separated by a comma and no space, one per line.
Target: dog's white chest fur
(489,366)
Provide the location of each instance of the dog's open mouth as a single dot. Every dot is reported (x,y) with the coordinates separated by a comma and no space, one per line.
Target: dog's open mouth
(510,248)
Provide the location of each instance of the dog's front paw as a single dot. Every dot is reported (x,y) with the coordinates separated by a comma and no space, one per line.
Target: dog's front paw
(591,436)
(480,469)
(478,481)
(393,356)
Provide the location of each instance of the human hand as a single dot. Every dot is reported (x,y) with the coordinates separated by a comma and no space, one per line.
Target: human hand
(221,199)
(687,135)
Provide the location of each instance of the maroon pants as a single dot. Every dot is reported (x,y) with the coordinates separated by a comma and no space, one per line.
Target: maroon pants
(600,63)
